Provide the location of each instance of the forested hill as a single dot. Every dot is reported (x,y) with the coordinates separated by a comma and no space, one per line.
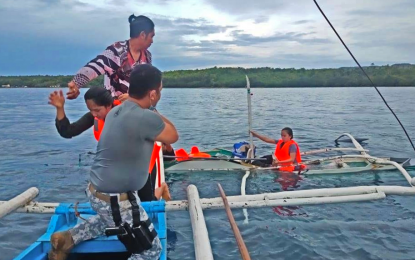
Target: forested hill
(395,75)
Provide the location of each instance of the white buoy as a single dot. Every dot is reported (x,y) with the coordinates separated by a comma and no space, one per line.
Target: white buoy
(201,240)
(18,201)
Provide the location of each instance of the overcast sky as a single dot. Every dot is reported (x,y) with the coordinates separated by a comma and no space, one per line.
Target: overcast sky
(56,37)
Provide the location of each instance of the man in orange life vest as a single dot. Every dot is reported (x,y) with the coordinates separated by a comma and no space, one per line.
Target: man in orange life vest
(287,152)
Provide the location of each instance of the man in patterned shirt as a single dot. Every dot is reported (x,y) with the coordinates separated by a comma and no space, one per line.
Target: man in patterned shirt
(118,60)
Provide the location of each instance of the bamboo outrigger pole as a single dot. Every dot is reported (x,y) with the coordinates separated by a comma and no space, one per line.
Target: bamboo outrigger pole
(9,206)
(241,244)
(250,153)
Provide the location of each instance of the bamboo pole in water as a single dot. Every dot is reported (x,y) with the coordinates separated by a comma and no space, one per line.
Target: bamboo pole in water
(240,202)
(239,240)
(201,240)
(243,190)
(324,150)
(251,142)
(18,201)
(284,198)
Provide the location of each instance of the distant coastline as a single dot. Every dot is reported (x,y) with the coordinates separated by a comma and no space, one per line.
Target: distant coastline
(402,75)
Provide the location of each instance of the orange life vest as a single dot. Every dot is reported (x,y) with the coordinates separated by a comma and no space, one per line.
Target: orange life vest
(99,123)
(154,157)
(283,153)
(194,152)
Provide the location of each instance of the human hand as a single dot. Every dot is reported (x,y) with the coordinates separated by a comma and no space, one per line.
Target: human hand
(57,99)
(275,162)
(123,97)
(167,148)
(253,133)
(73,90)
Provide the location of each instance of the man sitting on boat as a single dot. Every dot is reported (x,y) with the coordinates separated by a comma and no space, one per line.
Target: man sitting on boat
(120,168)
(287,152)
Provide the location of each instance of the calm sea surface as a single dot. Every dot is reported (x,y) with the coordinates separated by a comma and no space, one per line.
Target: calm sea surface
(33,154)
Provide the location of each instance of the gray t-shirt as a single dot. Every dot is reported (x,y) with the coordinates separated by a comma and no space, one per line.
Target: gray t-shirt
(124,149)
(293,149)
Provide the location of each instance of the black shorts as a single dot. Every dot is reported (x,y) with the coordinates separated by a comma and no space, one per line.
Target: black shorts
(147,192)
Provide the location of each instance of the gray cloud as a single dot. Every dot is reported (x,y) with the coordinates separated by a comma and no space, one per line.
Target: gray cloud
(261,19)
(182,27)
(58,38)
(276,61)
(243,39)
(388,9)
(237,8)
(302,21)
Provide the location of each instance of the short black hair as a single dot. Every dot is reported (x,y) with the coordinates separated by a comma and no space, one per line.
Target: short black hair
(100,95)
(143,79)
(140,24)
(289,131)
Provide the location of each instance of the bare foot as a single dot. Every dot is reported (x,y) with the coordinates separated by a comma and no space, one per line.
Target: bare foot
(163,192)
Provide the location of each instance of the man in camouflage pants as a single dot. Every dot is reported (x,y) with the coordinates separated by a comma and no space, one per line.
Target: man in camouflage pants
(121,163)
(95,226)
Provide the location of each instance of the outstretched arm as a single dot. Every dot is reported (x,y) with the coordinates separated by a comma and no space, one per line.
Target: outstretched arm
(264,138)
(64,127)
(107,62)
(57,100)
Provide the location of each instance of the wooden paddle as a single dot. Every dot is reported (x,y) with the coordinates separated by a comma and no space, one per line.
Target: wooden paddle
(239,240)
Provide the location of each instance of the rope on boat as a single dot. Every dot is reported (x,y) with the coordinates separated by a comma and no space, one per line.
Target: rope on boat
(78,214)
(364,72)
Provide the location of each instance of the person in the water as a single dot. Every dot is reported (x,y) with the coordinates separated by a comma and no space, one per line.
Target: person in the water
(287,152)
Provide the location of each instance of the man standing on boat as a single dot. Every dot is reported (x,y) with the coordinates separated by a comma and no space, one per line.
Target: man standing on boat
(118,60)
(120,167)
(116,63)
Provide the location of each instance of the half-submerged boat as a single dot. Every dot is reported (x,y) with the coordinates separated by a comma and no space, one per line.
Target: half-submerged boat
(360,161)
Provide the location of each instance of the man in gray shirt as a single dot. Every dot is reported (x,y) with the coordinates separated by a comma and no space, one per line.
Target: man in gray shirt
(121,163)
(127,127)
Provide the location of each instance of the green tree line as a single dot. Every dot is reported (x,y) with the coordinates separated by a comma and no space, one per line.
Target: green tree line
(395,75)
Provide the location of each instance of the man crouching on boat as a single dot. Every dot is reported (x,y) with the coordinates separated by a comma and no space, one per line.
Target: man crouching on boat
(120,168)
